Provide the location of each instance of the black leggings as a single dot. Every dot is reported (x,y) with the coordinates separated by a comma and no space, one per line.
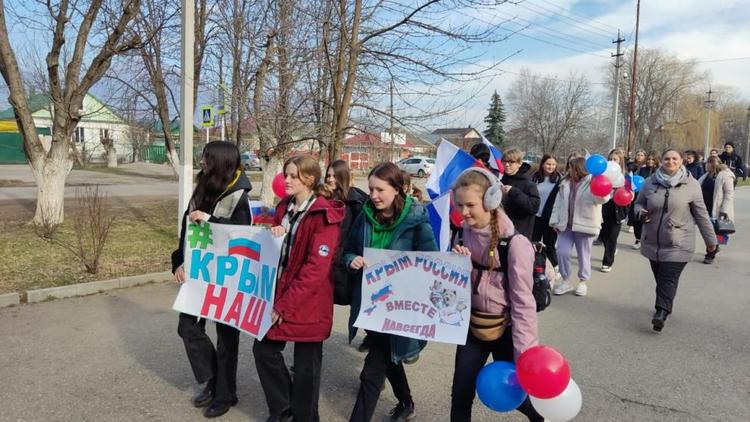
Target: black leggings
(547,235)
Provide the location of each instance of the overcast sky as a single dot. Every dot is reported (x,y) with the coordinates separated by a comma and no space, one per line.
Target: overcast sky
(571,35)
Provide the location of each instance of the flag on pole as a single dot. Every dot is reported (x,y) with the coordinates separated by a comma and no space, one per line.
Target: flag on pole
(439,212)
(262,213)
(496,155)
(450,162)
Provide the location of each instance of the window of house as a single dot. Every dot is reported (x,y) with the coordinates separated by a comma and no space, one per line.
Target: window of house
(104,134)
(78,135)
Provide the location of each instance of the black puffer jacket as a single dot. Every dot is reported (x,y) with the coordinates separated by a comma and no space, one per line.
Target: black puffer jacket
(355,200)
(522,202)
(237,203)
(547,206)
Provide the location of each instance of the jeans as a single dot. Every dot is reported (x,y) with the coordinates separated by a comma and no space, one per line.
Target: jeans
(470,359)
(582,242)
(667,275)
(378,366)
(216,366)
(284,393)
(609,234)
(547,235)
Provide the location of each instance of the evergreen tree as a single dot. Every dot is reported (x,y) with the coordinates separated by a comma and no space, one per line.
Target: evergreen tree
(495,119)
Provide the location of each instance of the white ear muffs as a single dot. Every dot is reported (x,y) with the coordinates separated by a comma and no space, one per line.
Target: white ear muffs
(493,197)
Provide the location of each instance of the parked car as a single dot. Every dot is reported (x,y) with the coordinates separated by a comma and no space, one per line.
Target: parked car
(417,166)
(250,161)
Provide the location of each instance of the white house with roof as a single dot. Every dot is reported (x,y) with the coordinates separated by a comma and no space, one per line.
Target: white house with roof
(98,122)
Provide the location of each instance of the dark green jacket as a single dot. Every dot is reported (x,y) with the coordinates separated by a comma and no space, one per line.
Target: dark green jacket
(413,234)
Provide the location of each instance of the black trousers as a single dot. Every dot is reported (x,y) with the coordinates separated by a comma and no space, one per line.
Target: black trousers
(547,235)
(216,366)
(470,359)
(667,275)
(609,234)
(284,393)
(637,229)
(377,367)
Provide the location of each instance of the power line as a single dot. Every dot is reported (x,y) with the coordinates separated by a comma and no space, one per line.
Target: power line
(520,33)
(557,16)
(549,78)
(729,59)
(555,32)
(587,18)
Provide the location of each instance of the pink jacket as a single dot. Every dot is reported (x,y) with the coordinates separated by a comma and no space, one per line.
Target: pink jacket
(491,295)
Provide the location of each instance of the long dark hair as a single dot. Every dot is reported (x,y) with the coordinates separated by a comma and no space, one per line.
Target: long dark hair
(392,175)
(343,176)
(539,175)
(221,161)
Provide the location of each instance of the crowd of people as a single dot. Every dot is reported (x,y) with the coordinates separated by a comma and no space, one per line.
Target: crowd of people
(548,203)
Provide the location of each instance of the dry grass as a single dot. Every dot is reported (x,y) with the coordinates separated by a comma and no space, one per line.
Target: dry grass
(141,240)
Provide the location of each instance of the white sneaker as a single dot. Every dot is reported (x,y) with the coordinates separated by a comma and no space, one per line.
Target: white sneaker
(637,245)
(606,268)
(581,289)
(562,288)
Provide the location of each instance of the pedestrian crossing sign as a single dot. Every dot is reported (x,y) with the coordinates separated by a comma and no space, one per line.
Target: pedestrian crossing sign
(208,116)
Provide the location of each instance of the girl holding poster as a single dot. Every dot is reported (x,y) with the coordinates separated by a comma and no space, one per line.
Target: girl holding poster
(503,308)
(303,304)
(392,220)
(220,196)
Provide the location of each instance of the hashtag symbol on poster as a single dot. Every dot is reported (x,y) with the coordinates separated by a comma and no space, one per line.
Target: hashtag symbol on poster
(200,236)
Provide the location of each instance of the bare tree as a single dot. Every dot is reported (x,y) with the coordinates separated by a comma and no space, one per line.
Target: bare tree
(70,78)
(663,81)
(548,112)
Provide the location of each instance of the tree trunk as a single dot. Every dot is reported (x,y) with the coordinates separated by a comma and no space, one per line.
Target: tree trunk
(50,182)
(111,152)
(271,168)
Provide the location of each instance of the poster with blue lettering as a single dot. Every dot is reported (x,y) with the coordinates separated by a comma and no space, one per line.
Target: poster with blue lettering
(422,295)
(230,275)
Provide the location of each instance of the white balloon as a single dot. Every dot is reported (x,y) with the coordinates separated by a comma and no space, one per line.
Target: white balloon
(561,408)
(613,170)
(619,181)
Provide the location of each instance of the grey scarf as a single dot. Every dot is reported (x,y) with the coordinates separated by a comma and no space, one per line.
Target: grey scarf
(670,181)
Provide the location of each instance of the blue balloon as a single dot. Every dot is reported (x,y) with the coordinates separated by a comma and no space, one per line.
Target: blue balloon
(596,165)
(498,387)
(637,182)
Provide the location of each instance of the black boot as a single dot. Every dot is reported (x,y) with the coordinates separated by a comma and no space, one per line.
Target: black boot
(218,409)
(660,317)
(205,397)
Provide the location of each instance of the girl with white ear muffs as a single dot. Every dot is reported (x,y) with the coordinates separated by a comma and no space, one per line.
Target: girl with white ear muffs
(503,308)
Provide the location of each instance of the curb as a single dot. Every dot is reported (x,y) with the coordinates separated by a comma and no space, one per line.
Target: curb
(9,299)
(85,289)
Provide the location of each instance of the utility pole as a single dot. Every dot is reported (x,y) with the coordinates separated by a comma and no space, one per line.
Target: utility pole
(747,142)
(709,105)
(221,108)
(187,108)
(618,65)
(392,134)
(633,85)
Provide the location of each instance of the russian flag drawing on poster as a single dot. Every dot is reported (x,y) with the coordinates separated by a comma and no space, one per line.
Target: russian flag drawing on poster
(244,247)
(496,154)
(262,213)
(439,212)
(450,162)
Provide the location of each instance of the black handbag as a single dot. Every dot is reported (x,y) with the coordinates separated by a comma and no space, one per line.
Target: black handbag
(724,225)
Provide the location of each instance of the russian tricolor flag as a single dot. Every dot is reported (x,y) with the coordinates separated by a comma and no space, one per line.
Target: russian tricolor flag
(262,213)
(496,154)
(450,162)
(439,212)
(244,247)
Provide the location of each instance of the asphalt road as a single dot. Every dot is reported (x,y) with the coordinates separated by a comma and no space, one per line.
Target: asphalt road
(117,356)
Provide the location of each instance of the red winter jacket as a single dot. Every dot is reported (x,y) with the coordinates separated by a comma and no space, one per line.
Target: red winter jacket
(304,290)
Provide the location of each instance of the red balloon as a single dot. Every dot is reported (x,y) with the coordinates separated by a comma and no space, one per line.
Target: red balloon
(600,185)
(623,197)
(278,185)
(543,372)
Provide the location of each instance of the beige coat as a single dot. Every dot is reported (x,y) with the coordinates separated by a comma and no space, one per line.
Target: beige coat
(674,213)
(587,216)
(723,194)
